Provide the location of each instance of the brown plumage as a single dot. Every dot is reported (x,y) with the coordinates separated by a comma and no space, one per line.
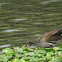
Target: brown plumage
(48,39)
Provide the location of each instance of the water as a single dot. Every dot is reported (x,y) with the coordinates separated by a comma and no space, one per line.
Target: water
(23,20)
(10,30)
(2,46)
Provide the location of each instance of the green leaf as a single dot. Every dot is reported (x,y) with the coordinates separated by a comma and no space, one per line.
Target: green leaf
(15,60)
(8,51)
(22,60)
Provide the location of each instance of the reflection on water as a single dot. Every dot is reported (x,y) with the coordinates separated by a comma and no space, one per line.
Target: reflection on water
(4,4)
(10,30)
(20,19)
(23,20)
(1,52)
(28,5)
(44,2)
(2,46)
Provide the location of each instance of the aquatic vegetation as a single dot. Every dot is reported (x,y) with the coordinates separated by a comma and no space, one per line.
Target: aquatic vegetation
(31,55)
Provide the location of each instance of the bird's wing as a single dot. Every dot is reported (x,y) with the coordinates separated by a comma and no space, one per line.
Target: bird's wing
(52,36)
(56,36)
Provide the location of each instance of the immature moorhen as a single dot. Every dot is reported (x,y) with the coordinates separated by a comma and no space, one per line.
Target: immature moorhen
(48,39)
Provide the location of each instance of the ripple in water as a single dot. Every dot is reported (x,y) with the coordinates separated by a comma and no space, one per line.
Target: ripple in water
(10,30)
(20,19)
(4,4)
(44,2)
(2,46)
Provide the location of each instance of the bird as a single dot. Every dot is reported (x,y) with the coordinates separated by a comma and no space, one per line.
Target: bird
(48,40)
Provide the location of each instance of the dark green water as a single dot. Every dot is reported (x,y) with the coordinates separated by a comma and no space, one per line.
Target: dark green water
(22,20)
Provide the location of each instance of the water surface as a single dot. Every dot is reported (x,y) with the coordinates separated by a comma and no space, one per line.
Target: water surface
(23,20)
